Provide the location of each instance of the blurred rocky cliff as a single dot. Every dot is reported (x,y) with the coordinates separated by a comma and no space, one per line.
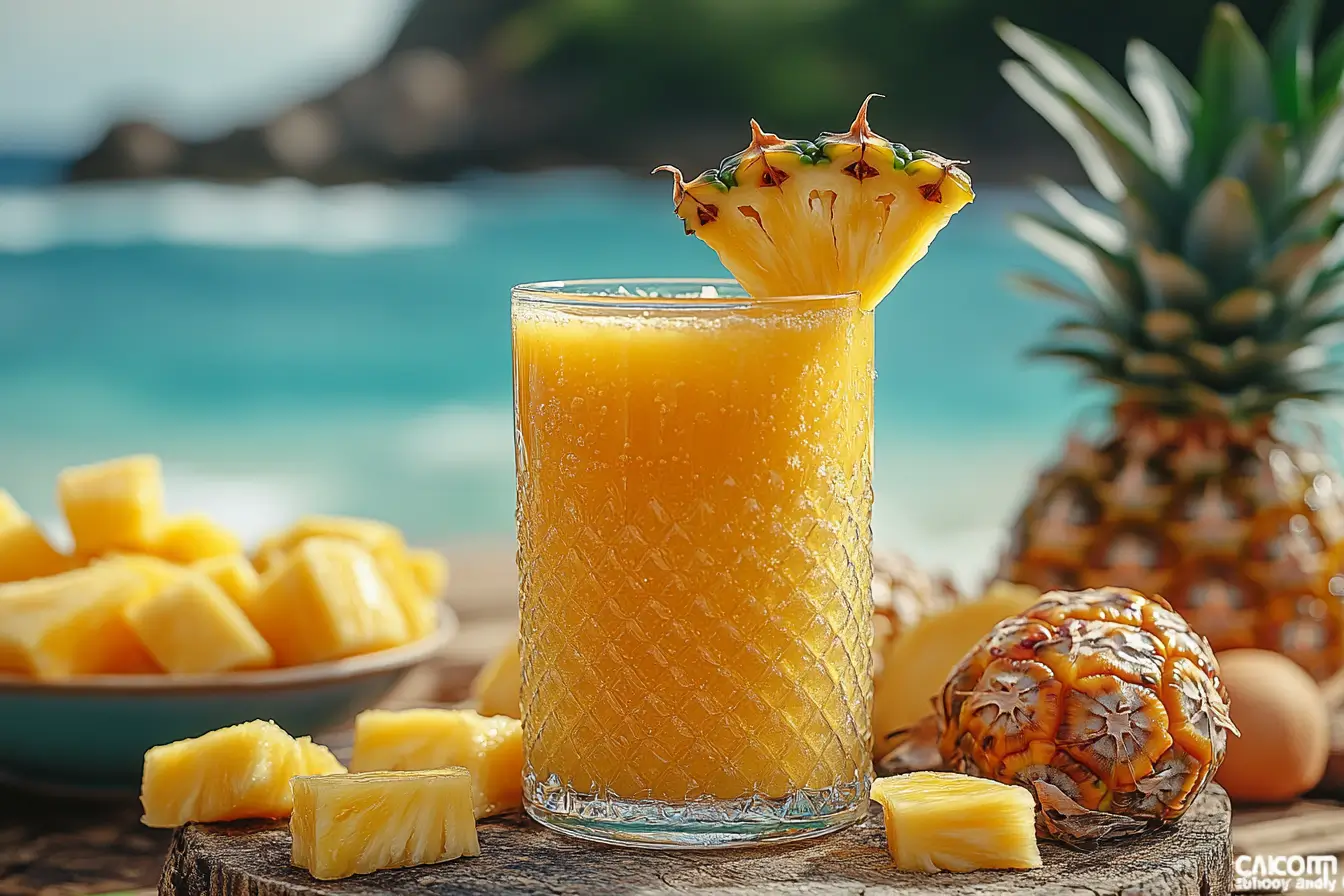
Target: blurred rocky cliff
(524,84)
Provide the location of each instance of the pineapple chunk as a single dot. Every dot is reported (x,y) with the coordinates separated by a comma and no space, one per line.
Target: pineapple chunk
(10,511)
(385,544)
(939,821)
(381,539)
(71,624)
(113,506)
(497,687)
(154,575)
(916,662)
(234,574)
(317,759)
(268,558)
(242,771)
(490,748)
(355,824)
(187,539)
(421,612)
(25,552)
(194,627)
(430,569)
(327,601)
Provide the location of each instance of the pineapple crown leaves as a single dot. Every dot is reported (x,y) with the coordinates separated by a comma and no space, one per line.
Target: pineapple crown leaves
(1216,273)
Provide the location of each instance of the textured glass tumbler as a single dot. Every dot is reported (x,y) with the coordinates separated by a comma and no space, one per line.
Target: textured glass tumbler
(694,509)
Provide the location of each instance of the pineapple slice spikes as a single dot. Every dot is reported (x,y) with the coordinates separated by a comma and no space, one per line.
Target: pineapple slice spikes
(849,212)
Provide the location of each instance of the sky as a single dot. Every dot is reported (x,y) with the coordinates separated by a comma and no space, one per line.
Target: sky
(69,68)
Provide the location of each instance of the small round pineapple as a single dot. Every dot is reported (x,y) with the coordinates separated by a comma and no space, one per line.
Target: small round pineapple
(1104,702)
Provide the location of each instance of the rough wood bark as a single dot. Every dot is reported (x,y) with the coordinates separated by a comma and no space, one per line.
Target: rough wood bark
(250,859)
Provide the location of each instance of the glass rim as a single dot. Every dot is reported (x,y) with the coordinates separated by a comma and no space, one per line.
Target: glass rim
(587,293)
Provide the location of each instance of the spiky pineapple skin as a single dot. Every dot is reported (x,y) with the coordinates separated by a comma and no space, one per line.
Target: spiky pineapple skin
(1106,694)
(1238,529)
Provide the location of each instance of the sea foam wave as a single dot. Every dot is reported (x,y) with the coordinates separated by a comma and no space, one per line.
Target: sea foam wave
(275,214)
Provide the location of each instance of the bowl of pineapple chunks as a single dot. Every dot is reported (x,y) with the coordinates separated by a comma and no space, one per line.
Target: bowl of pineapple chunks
(152,628)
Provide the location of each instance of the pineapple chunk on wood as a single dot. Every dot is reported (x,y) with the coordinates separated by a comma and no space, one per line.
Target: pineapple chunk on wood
(917,661)
(317,759)
(187,539)
(430,569)
(327,601)
(242,771)
(489,747)
(940,821)
(193,627)
(498,686)
(234,574)
(356,824)
(113,506)
(72,624)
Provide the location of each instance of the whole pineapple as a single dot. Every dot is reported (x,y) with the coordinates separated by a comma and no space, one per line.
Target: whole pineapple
(1207,296)
(1103,702)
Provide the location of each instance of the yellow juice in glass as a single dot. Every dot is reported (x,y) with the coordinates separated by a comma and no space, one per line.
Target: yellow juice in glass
(694,505)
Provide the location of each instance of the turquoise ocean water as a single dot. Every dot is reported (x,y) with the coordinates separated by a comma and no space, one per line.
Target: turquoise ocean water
(288,349)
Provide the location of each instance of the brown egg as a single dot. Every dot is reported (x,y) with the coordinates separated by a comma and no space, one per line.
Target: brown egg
(1285,728)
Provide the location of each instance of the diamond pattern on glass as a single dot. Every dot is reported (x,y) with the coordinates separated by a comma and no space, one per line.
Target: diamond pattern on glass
(695,574)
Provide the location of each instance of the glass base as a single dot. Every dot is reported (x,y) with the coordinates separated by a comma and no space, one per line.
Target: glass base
(696,824)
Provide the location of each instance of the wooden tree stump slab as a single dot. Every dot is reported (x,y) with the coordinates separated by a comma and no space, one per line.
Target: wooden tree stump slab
(1193,858)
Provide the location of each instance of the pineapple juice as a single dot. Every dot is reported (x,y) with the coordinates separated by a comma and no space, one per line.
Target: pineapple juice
(694,505)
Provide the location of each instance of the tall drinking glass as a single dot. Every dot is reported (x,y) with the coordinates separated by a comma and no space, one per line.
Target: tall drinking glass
(694,508)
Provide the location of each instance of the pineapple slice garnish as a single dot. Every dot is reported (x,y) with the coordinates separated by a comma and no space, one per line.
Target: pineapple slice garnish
(847,212)
(940,821)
